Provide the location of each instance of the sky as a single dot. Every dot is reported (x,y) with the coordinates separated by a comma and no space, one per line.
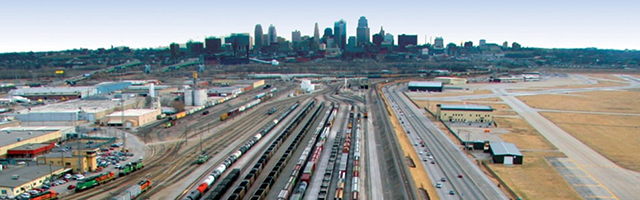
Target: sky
(45,25)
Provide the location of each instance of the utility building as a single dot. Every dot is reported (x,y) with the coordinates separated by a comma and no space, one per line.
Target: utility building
(451,80)
(465,113)
(425,86)
(506,153)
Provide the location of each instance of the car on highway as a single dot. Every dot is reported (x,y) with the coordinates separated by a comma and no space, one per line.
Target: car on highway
(428,153)
(443,179)
(430,157)
(451,192)
(424,159)
(433,162)
(438,185)
(459,175)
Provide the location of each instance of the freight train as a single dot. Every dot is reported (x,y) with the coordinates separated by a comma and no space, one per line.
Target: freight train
(172,118)
(133,191)
(308,160)
(46,195)
(215,174)
(265,186)
(93,181)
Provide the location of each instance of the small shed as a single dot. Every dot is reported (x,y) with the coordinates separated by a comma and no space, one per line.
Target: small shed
(506,153)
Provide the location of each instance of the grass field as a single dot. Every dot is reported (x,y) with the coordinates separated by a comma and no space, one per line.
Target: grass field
(605,76)
(536,178)
(622,101)
(449,93)
(522,134)
(614,136)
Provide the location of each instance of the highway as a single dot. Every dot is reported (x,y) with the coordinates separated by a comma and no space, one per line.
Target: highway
(448,156)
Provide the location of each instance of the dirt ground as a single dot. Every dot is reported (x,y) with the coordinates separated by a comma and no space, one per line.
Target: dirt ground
(420,177)
(614,136)
(605,76)
(536,178)
(619,101)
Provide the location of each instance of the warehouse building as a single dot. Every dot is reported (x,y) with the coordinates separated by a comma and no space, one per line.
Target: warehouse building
(85,110)
(18,180)
(465,113)
(425,86)
(60,93)
(14,137)
(144,90)
(224,91)
(132,117)
(451,80)
(506,153)
(30,150)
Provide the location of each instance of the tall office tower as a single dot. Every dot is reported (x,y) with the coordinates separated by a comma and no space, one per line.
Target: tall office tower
(406,40)
(258,37)
(340,33)
(438,43)
(273,36)
(362,32)
(296,36)
(265,40)
(381,31)
(505,45)
(316,34)
(353,42)
(377,39)
(388,39)
(328,33)
(175,49)
(213,45)
(482,42)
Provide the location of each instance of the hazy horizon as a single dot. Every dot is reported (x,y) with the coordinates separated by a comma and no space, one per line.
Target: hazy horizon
(53,26)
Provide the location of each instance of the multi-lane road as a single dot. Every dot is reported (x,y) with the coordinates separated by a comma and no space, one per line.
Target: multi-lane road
(449,158)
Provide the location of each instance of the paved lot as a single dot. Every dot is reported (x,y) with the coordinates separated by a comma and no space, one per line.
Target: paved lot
(581,181)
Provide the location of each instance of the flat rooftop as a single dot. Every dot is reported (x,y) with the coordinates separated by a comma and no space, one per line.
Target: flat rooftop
(504,148)
(425,84)
(133,112)
(25,174)
(10,135)
(51,90)
(30,146)
(89,106)
(466,107)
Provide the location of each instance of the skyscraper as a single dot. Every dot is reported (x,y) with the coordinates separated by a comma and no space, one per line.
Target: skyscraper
(316,34)
(296,36)
(328,33)
(273,36)
(258,37)
(213,45)
(482,42)
(175,49)
(438,43)
(362,32)
(340,33)
(406,40)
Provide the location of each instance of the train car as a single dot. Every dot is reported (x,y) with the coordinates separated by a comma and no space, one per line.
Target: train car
(260,95)
(86,184)
(202,159)
(105,177)
(168,124)
(46,195)
(181,115)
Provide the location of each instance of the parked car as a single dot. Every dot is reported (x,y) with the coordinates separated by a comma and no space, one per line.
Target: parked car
(67,176)
(71,187)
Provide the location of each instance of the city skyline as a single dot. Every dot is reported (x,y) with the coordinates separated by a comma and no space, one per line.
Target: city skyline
(52,26)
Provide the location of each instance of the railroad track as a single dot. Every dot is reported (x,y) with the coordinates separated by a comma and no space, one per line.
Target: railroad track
(166,160)
(229,134)
(399,165)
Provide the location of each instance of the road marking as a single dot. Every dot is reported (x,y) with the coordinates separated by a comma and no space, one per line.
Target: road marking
(589,174)
(601,197)
(587,185)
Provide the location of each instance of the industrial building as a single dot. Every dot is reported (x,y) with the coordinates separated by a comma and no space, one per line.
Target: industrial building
(68,111)
(451,80)
(18,180)
(195,97)
(224,91)
(14,137)
(132,117)
(70,159)
(144,90)
(465,113)
(506,153)
(425,86)
(109,87)
(253,83)
(61,93)
(30,150)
